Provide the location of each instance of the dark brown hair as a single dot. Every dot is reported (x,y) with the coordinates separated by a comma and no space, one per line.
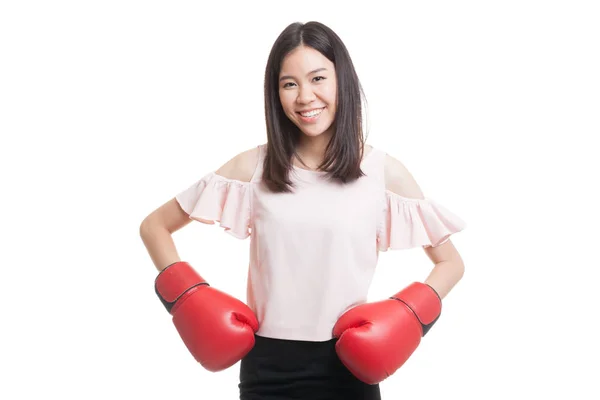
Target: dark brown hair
(345,150)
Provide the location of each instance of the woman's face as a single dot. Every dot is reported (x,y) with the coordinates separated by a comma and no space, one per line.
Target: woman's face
(308,91)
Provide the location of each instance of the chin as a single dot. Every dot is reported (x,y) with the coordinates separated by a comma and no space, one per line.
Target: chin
(314,132)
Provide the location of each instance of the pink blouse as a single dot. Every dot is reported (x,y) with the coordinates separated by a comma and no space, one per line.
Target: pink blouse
(313,252)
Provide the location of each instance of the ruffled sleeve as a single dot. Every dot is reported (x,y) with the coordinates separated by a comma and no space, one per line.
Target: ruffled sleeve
(215,198)
(407,223)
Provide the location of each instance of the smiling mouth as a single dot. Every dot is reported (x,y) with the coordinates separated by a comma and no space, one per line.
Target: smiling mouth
(312,113)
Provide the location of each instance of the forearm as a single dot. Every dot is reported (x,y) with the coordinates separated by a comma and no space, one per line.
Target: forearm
(159,244)
(444,276)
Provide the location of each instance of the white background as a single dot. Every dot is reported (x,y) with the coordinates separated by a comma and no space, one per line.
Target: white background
(108,109)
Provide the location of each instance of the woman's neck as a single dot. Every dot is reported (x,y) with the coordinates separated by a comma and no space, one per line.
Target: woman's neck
(311,150)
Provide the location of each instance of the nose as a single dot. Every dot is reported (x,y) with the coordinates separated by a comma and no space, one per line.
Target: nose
(305,95)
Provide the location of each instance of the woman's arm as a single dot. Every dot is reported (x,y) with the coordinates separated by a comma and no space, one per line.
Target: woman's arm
(448,266)
(157,228)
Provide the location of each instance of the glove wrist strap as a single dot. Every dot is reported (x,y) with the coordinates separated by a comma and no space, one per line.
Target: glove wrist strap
(175,281)
(423,301)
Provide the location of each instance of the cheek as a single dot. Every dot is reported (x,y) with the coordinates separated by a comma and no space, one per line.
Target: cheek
(288,104)
(330,94)
(285,101)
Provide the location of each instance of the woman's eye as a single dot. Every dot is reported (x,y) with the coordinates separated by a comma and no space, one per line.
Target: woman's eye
(286,85)
(318,78)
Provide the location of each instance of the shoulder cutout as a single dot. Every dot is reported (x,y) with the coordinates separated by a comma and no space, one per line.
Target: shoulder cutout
(400,181)
(241,167)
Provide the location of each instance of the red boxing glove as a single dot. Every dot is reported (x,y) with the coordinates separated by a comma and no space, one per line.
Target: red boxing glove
(216,328)
(375,339)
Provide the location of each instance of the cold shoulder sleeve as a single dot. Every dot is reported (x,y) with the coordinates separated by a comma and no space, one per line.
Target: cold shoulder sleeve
(215,198)
(407,223)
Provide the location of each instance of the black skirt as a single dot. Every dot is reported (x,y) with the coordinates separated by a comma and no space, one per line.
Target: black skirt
(288,369)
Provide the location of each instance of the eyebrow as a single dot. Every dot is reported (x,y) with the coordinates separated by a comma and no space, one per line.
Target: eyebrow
(311,72)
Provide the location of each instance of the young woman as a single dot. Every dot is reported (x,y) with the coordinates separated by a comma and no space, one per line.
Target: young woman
(318,205)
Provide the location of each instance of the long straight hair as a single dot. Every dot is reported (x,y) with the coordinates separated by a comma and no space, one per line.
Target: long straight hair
(344,152)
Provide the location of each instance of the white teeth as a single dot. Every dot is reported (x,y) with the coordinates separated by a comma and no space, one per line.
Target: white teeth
(312,113)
